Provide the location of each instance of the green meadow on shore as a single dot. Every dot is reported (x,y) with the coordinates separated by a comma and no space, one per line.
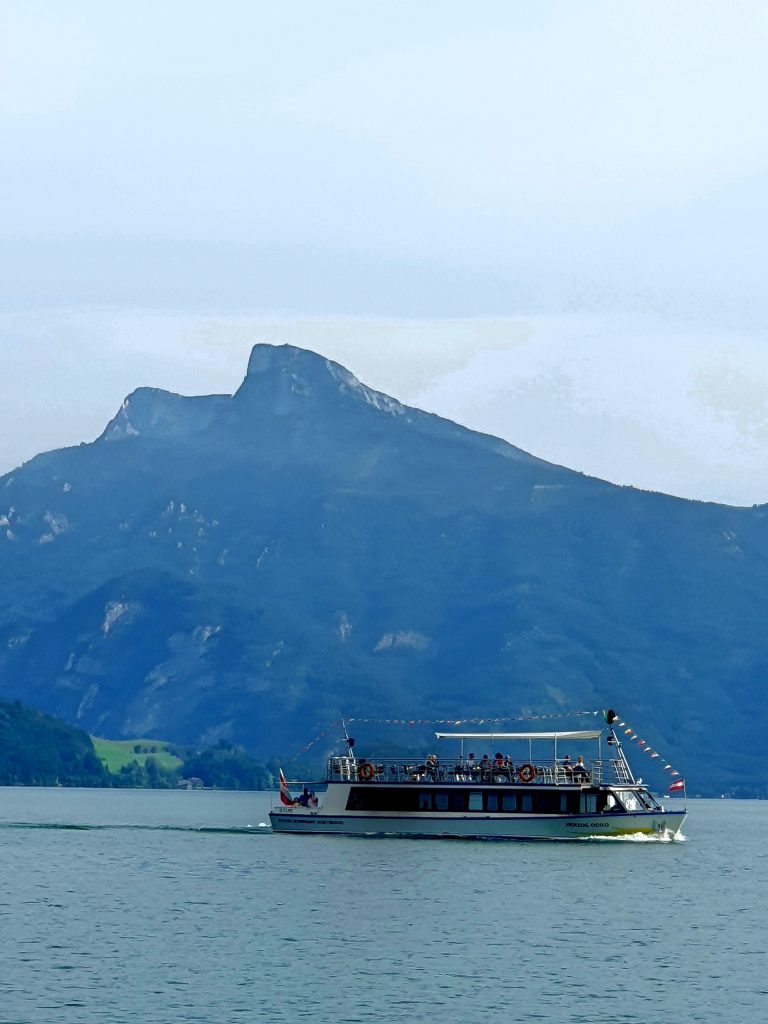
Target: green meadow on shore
(115,754)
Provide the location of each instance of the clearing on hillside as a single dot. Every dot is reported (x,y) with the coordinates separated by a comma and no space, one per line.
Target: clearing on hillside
(116,753)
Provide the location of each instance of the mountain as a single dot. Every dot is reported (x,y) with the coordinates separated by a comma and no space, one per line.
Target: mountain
(250,566)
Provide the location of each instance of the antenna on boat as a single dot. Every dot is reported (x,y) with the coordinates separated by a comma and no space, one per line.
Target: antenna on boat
(349,739)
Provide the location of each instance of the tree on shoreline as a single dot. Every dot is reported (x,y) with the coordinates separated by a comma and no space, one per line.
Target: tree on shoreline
(38,750)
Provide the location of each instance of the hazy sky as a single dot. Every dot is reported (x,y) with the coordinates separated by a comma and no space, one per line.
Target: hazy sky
(547,220)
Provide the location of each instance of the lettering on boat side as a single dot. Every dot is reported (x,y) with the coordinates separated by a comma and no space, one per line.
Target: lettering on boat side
(313,820)
(585,824)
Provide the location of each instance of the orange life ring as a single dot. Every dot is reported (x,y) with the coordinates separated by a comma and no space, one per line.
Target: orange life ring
(526,773)
(366,771)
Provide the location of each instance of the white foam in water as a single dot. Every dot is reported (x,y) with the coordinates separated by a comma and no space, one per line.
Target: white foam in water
(640,837)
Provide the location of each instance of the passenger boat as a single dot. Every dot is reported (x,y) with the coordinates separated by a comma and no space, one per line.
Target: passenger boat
(526,789)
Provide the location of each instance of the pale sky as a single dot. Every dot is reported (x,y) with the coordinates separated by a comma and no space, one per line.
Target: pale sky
(545,220)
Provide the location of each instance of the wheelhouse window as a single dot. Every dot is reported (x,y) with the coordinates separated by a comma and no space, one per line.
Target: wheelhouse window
(648,801)
(632,800)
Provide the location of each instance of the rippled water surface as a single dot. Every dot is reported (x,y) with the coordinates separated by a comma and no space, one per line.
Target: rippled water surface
(166,907)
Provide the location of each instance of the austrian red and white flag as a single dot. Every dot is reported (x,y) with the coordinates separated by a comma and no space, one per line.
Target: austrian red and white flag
(677,785)
(285,796)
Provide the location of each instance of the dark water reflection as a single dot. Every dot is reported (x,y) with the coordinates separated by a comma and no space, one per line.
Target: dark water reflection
(169,907)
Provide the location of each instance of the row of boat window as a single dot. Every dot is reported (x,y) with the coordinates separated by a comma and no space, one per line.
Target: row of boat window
(534,801)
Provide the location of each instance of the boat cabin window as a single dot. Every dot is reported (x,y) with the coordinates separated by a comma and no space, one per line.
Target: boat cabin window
(589,803)
(384,798)
(461,801)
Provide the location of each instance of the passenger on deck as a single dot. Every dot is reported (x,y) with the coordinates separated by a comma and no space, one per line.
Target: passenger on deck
(580,772)
(498,761)
(470,766)
(432,766)
(485,769)
(568,766)
(304,798)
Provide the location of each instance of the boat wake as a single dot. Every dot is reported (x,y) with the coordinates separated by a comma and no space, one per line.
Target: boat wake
(665,836)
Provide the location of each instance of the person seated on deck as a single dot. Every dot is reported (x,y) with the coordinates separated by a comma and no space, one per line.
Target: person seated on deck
(508,768)
(580,772)
(567,766)
(432,766)
(470,767)
(313,801)
(304,798)
(485,769)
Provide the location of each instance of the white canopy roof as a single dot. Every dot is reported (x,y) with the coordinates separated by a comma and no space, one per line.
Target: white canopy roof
(591,734)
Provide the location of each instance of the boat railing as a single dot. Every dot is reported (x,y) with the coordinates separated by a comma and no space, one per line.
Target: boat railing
(390,770)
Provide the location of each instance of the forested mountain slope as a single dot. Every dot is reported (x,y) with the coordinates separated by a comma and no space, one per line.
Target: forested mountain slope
(250,566)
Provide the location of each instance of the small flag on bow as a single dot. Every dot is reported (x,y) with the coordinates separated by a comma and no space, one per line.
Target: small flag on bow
(677,785)
(285,796)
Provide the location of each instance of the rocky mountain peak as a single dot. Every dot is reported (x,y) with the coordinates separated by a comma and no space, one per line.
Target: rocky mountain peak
(288,378)
(152,412)
(268,359)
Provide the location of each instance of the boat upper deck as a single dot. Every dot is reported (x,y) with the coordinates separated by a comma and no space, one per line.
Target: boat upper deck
(598,771)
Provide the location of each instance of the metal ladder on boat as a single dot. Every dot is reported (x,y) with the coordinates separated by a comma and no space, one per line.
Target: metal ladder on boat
(621,773)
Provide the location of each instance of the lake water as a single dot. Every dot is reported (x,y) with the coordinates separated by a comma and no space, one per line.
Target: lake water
(170,907)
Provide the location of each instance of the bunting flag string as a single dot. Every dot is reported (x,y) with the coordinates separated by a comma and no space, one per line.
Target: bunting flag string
(633,737)
(311,743)
(470,721)
(435,721)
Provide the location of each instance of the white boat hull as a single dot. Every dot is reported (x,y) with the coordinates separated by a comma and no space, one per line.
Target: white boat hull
(665,824)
